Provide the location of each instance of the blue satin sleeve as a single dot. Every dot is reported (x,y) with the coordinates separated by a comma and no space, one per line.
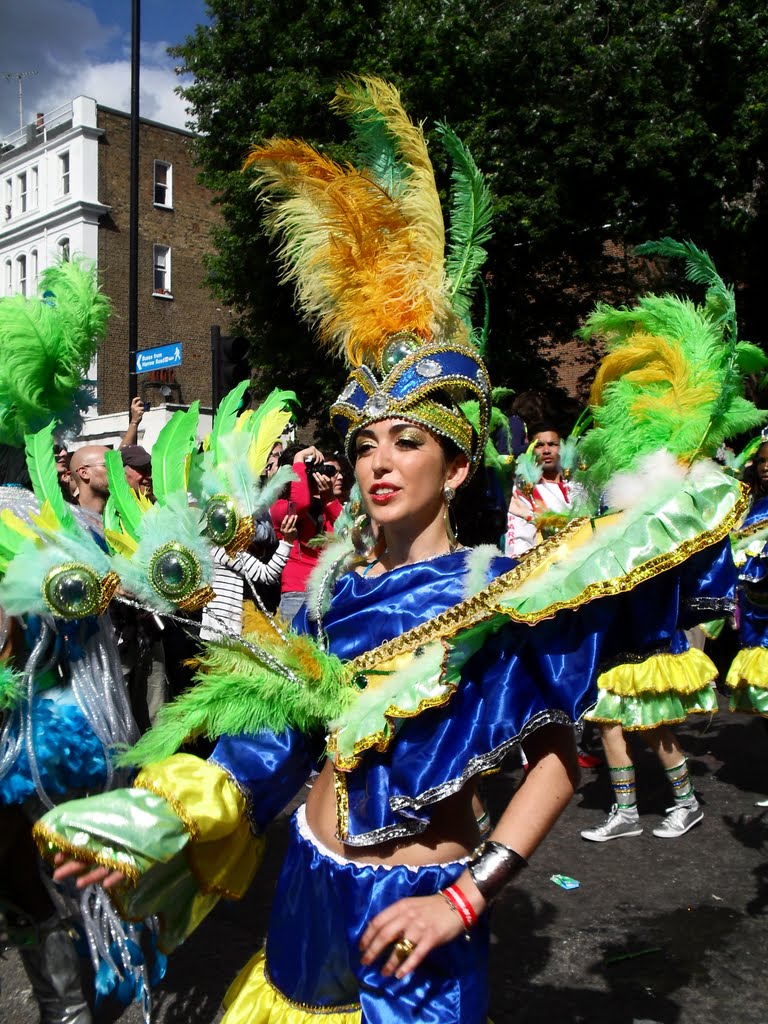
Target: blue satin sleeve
(270,768)
(755,568)
(707,585)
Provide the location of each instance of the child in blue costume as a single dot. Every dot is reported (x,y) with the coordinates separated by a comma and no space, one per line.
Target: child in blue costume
(439,659)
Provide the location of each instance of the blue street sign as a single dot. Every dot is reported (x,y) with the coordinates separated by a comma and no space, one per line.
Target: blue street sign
(162,358)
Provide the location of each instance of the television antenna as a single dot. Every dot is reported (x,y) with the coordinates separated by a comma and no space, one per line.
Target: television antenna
(8,75)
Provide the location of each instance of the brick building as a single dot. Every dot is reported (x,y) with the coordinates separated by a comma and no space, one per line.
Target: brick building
(66,188)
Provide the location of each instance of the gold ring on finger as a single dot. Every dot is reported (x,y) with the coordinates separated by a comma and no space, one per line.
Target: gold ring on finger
(403,949)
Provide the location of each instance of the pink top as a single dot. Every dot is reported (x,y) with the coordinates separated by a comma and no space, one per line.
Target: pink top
(302,558)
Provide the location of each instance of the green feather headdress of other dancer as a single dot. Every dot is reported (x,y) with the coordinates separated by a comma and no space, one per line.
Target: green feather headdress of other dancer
(48,343)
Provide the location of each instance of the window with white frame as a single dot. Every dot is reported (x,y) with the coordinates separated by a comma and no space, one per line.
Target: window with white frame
(63,245)
(63,174)
(161,255)
(21,180)
(33,271)
(21,275)
(8,277)
(34,188)
(163,184)
(8,198)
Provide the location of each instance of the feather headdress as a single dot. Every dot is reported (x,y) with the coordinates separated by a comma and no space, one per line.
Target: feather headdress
(48,343)
(366,251)
(50,563)
(226,478)
(159,550)
(673,376)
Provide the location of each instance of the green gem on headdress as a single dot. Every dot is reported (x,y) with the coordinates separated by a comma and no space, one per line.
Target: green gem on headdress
(221,519)
(174,571)
(72,591)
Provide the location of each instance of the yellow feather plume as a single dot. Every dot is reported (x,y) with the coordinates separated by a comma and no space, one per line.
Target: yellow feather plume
(15,523)
(123,543)
(365,264)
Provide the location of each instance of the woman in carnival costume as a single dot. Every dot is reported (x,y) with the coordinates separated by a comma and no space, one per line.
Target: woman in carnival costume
(748,674)
(62,701)
(664,400)
(419,661)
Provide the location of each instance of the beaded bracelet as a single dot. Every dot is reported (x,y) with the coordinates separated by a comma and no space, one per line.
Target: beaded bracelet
(460,904)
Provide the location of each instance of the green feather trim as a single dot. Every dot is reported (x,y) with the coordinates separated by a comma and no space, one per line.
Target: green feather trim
(169,452)
(122,498)
(45,480)
(470,224)
(235,693)
(11,690)
(226,416)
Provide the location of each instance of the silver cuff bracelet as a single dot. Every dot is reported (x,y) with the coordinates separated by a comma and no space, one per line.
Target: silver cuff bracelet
(492,865)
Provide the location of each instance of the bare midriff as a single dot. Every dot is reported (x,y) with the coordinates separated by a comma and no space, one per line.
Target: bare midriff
(451,834)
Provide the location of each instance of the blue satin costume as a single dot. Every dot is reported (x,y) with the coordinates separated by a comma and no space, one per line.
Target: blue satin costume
(522,678)
(753,586)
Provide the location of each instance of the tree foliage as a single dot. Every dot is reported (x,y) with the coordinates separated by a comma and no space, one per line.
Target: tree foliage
(595,121)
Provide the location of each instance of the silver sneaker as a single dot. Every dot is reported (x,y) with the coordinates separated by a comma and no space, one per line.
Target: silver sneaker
(619,823)
(679,820)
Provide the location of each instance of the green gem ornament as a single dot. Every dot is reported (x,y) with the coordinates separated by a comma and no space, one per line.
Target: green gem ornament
(174,571)
(221,519)
(398,347)
(71,591)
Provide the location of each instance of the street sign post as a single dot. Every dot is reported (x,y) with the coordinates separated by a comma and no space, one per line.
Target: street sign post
(161,358)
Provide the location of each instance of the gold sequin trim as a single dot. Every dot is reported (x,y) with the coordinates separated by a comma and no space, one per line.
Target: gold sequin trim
(197,599)
(342,804)
(176,806)
(243,536)
(108,588)
(748,531)
(49,842)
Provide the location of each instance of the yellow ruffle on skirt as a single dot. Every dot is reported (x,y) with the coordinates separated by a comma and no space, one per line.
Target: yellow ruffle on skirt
(253,999)
(749,668)
(684,673)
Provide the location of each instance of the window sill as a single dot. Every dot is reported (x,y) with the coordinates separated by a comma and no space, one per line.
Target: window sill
(162,206)
(161,295)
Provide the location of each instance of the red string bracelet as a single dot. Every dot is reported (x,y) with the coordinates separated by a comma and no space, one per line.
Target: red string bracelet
(463,907)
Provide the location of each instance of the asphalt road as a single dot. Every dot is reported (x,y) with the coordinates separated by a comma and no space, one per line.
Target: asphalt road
(659,931)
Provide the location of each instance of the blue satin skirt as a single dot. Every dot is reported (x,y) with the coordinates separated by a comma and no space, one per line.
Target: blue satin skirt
(322,906)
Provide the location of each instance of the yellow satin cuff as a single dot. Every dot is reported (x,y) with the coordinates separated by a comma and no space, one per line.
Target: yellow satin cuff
(253,999)
(687,672)
(749,668)
(223,854)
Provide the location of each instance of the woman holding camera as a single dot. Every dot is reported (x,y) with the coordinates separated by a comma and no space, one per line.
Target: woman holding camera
(312,500)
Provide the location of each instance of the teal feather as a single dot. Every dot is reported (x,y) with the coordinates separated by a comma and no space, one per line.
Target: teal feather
(470,224)
(375,146)
(123,497)
(226,415)
(45,481)
(169,452)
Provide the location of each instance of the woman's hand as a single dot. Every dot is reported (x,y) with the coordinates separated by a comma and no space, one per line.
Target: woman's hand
(425,921)
(290,528)
(85,874)
(310,454)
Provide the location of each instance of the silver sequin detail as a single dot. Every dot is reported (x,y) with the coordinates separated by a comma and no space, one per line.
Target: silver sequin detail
(376,405)
(348,391)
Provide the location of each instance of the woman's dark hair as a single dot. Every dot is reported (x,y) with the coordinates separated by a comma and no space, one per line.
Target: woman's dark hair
(13,466)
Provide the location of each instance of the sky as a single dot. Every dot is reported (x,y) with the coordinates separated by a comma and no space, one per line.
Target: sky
(83,47)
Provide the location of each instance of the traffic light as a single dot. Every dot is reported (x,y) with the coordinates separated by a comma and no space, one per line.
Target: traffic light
(230,363)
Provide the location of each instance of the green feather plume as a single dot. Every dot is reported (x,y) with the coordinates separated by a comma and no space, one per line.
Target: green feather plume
(122,499)
(45,480)
(470,223)
(226,415)
(48,343)
(236,693)
(376,146)
(171,450)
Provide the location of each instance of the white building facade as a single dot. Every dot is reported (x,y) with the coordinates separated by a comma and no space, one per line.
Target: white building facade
(49,203)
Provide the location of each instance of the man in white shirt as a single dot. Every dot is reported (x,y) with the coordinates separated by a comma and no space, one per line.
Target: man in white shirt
(552,493)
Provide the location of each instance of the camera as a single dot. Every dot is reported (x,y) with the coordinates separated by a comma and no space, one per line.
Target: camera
(320,468)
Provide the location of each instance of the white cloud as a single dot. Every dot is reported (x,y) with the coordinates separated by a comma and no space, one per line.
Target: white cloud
(75,54)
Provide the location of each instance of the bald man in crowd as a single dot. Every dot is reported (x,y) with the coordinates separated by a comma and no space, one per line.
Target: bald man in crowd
(89,472)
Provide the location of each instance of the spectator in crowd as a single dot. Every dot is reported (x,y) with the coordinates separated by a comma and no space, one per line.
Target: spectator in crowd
(137,463)
(311,499)
(89,474)
(135,416)
(552,493)
(343,478)
(61,457)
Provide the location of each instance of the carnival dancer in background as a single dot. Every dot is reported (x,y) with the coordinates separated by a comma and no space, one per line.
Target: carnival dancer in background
(545,490)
